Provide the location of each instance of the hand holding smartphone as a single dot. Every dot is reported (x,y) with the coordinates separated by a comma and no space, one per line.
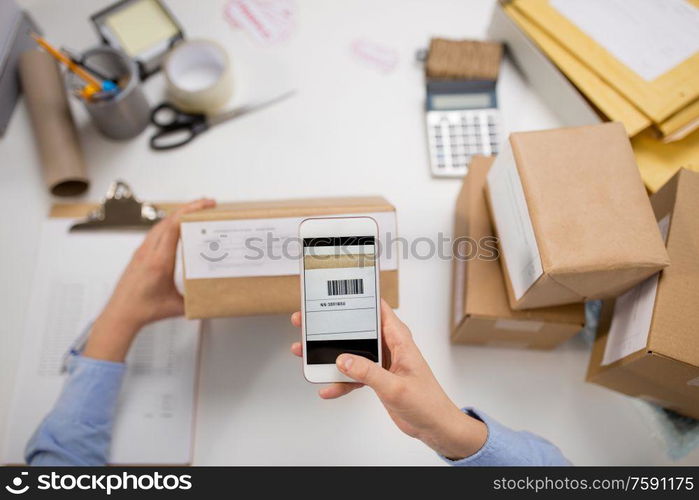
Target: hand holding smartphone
(340,296)
(408,390)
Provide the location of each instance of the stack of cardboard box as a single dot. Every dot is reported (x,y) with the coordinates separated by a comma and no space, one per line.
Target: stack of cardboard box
(647,344)
(573,222)
(481,310)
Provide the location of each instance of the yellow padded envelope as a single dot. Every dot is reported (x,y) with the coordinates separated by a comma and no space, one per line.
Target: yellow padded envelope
(658,98)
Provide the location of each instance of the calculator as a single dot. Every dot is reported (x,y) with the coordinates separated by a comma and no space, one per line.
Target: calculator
(462,121)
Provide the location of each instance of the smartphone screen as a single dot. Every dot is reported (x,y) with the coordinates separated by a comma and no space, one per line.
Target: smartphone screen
(340,276)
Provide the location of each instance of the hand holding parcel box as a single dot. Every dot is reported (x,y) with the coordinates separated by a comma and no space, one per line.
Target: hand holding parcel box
(242,259)
(481,313)
(572,216)
(647,342)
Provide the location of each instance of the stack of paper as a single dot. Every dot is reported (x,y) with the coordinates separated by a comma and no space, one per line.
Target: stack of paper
(73,280)
(637,62)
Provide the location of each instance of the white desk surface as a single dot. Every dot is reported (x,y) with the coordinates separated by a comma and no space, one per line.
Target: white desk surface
(351,130)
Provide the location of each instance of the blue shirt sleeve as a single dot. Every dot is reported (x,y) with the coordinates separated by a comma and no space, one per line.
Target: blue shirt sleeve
(507,447)
(78,429)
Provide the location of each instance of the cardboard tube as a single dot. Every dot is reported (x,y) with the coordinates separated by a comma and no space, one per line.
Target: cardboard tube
(54,129)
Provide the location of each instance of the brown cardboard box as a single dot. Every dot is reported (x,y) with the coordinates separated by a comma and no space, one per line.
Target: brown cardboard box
(481,313)
(647,344)
(572,216)
(241,287)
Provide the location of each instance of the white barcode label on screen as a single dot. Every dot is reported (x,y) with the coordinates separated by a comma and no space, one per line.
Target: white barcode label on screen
(345,287)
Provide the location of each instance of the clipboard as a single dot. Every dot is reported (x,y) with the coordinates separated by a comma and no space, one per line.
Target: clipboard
(119,210)
(74,276)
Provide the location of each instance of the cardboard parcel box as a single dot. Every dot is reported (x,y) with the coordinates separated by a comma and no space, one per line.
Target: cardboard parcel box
(481,312)
(242,258)
(572,216)
(647,344)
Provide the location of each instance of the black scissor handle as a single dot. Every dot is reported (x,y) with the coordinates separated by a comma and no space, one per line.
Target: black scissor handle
(176,136)
(176,128)
(171,138)
(166,115)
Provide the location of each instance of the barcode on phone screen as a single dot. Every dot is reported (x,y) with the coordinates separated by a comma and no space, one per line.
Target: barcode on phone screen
(345,287)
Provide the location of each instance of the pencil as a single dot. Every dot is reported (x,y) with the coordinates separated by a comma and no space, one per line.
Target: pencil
(91,80)
(79,61)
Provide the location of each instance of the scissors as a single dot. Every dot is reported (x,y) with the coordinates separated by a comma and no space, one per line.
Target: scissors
(177,127)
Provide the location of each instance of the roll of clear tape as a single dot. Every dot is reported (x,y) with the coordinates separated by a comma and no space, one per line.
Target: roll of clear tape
(62,160)
(198,76)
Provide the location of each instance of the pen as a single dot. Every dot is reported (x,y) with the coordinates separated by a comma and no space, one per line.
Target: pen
(77,59)
(92,82)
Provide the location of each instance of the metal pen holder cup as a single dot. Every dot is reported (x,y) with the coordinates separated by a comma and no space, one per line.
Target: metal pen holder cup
(125,114)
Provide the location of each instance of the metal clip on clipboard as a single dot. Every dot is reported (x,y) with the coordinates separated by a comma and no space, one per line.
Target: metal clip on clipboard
(120,210)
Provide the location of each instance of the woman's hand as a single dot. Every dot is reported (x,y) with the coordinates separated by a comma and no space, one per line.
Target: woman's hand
(409,391)
(146,291)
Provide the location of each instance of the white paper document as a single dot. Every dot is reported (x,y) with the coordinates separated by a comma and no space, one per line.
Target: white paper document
(261,247)
(74,277)
(633,313)
(650,37)
(514,226)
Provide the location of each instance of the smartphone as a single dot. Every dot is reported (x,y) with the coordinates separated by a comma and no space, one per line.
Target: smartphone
(340,299)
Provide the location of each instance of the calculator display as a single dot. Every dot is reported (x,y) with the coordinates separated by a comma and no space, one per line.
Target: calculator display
(460,101)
